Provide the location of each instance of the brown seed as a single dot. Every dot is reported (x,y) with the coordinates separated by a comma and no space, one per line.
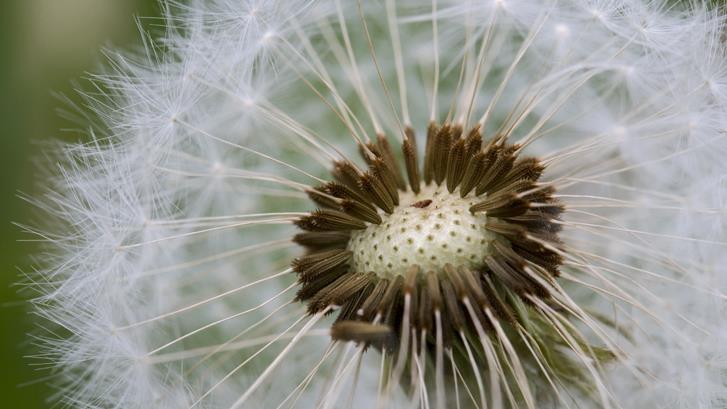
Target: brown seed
(358,331)
(409,149)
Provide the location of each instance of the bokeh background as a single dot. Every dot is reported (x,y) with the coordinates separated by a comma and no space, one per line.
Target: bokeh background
(45,45)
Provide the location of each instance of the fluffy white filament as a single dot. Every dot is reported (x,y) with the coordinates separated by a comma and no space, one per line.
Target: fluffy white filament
(168,231)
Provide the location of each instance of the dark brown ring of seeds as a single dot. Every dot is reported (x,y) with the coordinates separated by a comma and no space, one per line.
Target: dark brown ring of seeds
(504,186)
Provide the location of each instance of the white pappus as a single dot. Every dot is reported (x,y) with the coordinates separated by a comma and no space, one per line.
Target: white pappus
(537,189)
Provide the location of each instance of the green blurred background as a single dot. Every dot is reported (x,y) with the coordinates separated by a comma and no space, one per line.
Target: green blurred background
(44,46)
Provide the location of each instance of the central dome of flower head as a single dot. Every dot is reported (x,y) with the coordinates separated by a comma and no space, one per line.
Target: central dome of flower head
(430,229)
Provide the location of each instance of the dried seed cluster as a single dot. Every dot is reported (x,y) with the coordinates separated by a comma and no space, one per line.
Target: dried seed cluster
(472,227)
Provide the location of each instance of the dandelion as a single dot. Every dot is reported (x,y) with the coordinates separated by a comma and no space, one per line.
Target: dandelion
(491,204)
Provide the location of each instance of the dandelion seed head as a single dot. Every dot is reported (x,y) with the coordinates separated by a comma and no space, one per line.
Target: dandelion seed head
(206,242)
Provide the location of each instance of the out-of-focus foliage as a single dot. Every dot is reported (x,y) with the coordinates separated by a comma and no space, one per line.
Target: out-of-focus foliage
(44,45)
